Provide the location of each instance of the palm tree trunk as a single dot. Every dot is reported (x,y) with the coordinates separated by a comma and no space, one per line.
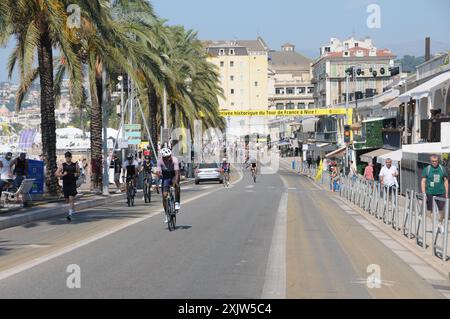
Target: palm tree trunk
(48,123)
(153,107)
(95,87)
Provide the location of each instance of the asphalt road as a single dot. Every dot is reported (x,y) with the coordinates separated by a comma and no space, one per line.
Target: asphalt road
(281,237)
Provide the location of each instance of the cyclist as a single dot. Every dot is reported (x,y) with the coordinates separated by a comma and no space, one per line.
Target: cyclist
(130,169)
(147,167)
(252,162)
(226,169)
(168,171)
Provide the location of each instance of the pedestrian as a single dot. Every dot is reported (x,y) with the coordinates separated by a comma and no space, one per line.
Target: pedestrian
(368,172)
(388,175)
(435,183)
(309,161)
(20,169)
(116,163)
(69,172)
(318,159)
(353,172)
(6,174)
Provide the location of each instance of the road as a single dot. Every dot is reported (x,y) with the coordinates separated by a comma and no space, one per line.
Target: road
(279,238)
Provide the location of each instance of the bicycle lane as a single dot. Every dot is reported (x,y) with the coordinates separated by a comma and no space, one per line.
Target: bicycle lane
(24,245)
(219,251)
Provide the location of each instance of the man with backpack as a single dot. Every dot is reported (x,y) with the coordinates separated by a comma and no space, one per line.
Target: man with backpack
(435,183)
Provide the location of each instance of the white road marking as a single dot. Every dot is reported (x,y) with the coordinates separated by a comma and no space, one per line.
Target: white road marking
(275,280)
(37,261)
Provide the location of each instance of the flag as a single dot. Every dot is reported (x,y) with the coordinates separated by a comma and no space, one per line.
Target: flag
(319,171)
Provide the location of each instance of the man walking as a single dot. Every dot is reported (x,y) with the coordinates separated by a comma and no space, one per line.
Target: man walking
(388,174)
(435,183)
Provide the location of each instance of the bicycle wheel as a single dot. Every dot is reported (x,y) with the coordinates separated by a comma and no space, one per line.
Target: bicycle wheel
(254,178)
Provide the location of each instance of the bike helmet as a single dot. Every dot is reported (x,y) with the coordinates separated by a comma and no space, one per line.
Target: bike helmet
(224,159)
(130,157)
(166,152)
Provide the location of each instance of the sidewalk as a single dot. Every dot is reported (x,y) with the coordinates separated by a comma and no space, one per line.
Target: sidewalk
(443,267)
(18,216)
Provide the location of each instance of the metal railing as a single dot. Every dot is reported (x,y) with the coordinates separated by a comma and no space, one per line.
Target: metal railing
(383,203)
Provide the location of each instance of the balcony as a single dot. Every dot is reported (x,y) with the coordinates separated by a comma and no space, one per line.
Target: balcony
(430,130)
(327,137)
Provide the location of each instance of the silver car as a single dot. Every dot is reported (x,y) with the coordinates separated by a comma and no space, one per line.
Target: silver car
(208,172)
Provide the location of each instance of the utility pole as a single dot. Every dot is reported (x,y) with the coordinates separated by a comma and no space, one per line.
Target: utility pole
(346,120)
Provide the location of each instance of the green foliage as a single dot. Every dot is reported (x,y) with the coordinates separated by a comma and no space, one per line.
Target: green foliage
(409,63)
(374,137)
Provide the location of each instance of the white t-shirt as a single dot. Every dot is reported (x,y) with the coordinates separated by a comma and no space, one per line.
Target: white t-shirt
(386,173)
(4,171)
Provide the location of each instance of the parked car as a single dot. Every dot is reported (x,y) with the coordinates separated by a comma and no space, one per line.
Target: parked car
(208,172)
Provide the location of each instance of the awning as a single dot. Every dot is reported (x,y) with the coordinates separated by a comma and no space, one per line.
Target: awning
(336,153)
(368,157)
(392,104)
(395,156)
(425,89)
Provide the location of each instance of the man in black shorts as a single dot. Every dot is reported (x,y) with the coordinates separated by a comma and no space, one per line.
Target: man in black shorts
(69,172)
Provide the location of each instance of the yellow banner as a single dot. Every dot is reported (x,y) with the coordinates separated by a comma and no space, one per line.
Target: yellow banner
(310,112)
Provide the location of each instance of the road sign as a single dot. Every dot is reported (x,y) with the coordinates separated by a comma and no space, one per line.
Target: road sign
(122,143)
(133,133)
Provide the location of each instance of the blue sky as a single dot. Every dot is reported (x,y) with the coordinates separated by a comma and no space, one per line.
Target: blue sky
(308,24)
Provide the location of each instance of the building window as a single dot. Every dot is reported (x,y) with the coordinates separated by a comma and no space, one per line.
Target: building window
(356,44)
(311,90)
(232,91)
(231,51)
(221,52)
(231,63)
(290,106)
(280,106)
(290,90)
(256,83)
(300,90)
(301,106)
(327,49)
(279,91)
(231,77)
(232,103)
(310,105)
(222,64)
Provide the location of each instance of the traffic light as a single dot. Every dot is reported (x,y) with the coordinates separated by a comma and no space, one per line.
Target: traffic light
(347,133)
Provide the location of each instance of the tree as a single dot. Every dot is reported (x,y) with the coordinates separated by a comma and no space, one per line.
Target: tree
(39,26)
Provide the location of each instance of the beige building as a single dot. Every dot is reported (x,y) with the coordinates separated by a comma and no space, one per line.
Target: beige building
(243,69)
(243,72)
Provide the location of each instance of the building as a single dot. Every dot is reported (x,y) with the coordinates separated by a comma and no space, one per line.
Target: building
(243,69)
(289,88)
(370,71)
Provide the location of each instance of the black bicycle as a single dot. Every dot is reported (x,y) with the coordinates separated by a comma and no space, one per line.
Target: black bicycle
(148,188)
(131,193)
(170,209)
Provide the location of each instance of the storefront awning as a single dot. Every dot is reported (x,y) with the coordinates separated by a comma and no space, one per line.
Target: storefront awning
(425,89)
(392,104)
(395,156)
(368,157)
(336,153)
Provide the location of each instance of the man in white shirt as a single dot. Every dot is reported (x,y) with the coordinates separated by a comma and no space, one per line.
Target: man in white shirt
(388,174)
(6,174)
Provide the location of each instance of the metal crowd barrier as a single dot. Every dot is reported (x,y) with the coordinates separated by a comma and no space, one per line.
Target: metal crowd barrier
(440,232)
(420,213)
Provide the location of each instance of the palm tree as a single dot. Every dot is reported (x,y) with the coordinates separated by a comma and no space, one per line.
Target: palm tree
(39,26)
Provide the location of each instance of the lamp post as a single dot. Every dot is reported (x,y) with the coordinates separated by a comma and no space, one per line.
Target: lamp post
(105,178)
